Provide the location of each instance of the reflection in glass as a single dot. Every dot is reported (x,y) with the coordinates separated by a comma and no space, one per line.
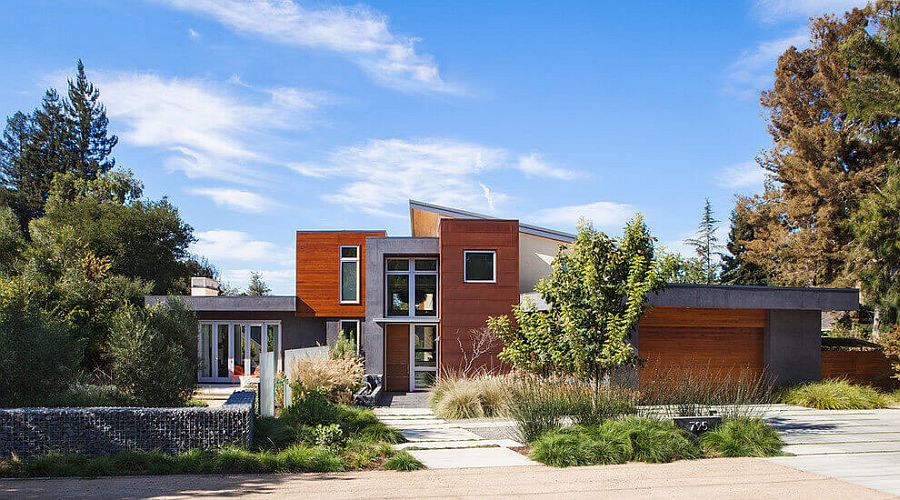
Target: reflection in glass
(240,350)
(349,281)
(206,332)
(426,346)
(424,379)
(426,294)
(398,295)
(255,348)
(222,351)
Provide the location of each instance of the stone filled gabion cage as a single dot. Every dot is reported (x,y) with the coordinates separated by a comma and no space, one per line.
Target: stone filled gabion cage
(26,432)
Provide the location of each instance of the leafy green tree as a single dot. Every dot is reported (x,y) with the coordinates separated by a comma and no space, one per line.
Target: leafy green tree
(596,294)
(90,144)
(706,244)
(675,268)
(736,270)
(258,287)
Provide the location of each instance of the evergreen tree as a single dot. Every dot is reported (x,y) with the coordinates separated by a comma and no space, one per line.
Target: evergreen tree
(90,145)
(258,287)
(706,244)
(13,164)
(735,269)
(46,154)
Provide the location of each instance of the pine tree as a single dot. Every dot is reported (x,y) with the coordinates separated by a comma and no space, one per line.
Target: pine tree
(13,146)
(46,154)
(735,269)
(258,287)
(706,244)
(90,145)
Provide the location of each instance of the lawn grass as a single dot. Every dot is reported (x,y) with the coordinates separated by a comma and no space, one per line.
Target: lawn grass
(742,437)
(284,444)
(836,394)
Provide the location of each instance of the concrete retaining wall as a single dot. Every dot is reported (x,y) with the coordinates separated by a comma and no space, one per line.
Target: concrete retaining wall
(100,431)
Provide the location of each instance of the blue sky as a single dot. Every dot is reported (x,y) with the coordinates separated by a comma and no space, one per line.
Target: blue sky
(261,118)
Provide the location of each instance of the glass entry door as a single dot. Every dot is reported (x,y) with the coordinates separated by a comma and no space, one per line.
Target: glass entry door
(230,350)
(423,353)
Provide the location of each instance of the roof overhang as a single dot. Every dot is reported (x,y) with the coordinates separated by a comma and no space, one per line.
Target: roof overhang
(742,297)
(228,303)
(418,225)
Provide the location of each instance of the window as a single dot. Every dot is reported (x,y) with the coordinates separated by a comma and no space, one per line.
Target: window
(350,330)
(349,275)
(231,349)
(411,287)
(480,266)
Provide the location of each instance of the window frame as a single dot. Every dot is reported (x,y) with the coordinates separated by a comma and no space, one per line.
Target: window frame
(353,260)
(411,273)
(466,265)
(341,331)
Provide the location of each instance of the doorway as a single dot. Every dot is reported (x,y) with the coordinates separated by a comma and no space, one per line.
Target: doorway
(410,357)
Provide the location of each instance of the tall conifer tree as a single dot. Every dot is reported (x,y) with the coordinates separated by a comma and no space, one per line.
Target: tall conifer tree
(90,144)
(706,244)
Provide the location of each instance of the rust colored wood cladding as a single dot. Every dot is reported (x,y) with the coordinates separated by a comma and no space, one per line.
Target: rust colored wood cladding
(319,273)
(859,367)
(704,318)
(718,353)
(464,307)
(396,358)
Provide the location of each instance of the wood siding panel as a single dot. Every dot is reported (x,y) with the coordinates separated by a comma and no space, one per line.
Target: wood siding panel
(318,273)
(717,342)
(396,354)
(859,367)
(464,307)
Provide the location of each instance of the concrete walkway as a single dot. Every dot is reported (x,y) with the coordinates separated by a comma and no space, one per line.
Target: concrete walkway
(858,446)
(439,444)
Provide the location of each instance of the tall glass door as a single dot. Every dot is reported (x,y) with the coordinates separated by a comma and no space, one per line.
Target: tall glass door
(423,344)
(229,350)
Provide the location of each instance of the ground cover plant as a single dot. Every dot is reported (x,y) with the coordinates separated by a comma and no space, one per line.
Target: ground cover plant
(836,394)
(312,435)
(742,437)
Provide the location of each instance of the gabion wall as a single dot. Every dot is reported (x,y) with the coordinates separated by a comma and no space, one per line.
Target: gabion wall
(100,431)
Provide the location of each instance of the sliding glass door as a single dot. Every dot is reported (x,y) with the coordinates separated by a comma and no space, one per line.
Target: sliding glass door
(228,350)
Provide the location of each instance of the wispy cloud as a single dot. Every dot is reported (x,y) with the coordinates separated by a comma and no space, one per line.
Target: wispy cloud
(534,165)
(360,33)
(606,214)
(209,130)
(236,199)
(754,69)
(193,34)
(223,245)
(779,10)
(746,175)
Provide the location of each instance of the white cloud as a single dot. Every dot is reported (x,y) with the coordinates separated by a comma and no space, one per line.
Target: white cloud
(193,34)
(777,10)
(222,245)
(535,166)
(747,175)
(236,199)
(386,172)
(209,131)
(601,213)
(359,32)
(281,281)
(754,70)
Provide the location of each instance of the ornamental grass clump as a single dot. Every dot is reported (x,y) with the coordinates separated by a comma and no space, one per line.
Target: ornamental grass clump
(337,377)
(742,437)
(835,394)
(460,397)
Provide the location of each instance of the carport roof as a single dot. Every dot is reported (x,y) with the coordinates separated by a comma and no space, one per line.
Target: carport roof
(744,297)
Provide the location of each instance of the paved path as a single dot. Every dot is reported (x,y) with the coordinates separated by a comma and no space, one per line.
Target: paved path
(717,479)
(440,444)
(859,446)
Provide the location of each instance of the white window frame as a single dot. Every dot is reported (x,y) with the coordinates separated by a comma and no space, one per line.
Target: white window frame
(341,330)
(245,356)
(412,356)
(493,261)
(354,260)
(411,297)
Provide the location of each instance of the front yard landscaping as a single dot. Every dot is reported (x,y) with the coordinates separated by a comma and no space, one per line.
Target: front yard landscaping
(838,395)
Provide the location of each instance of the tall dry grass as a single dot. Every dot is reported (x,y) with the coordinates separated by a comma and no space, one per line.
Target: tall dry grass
(338,377)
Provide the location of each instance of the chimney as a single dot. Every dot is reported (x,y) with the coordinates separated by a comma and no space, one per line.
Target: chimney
(204,287)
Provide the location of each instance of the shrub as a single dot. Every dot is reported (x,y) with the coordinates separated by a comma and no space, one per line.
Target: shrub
(328,436)
(338,378)
(39,358)
(652,440)
(403,461)
(836,394)
(84,395)
(455,397)
(154,353)
(578,446)
(270,433)
(742,437)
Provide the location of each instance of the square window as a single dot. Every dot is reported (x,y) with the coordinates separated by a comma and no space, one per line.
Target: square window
(349,252)
(480,266)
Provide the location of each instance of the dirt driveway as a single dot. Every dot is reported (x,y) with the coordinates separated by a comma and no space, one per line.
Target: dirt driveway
(715,479)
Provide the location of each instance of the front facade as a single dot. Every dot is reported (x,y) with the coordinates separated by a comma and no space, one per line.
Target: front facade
(413,306)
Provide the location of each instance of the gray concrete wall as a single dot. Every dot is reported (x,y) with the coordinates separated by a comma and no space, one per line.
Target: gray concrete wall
(757,297)
(792,346)
(376,249)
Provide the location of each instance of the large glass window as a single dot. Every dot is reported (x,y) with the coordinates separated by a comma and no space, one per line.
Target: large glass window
(350,330)
(480,266)
(424,356)
(206,352)
(349,274)
(231,349)
(411,281)
(222,351)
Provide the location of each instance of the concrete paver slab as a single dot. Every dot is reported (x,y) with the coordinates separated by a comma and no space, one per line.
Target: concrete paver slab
(464,458)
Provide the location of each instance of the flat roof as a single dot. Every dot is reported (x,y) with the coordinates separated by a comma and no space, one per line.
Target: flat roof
(271,303)
(463,214)
(743,297)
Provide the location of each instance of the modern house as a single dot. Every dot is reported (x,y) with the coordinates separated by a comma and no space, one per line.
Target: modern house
(413,304)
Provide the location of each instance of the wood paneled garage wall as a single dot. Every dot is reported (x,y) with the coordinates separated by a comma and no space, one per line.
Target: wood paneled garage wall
(719,342)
